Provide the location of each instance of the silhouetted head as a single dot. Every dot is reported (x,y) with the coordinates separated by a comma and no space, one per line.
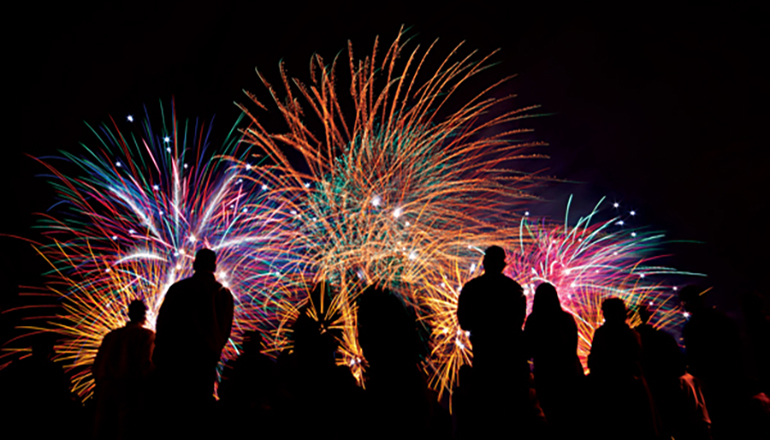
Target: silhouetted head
(494,260)
(644,314)
(137,311)
(614,310)
(546,299)
(386,330)
(691,297)
(205,261)
(252,341)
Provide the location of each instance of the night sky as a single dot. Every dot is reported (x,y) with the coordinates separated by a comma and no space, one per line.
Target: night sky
(664,111)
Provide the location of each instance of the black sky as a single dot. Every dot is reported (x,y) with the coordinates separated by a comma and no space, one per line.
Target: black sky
(662,110)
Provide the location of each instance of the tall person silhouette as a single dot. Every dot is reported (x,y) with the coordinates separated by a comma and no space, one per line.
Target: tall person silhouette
(492,308)
(193,327)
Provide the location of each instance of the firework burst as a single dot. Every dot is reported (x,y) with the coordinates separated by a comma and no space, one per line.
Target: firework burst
(401,184)
(130,219)
(586,262)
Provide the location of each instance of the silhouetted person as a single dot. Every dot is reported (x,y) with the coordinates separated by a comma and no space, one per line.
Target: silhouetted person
(492,308)
(552,337)
(712,346)
(316,391)
(121,369)
(399,403)
(36,395)
(192,328)
(623,405)
(249,388)
(678,398)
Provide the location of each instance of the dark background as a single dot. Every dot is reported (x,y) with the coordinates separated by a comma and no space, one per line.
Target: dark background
(662,110)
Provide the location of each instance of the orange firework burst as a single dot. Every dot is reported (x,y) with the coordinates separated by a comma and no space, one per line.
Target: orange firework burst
(403,184)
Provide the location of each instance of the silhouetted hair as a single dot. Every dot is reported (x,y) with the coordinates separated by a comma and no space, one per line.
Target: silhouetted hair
(494,259)
(614,310)
(205,261)
(546,299)
(137,310)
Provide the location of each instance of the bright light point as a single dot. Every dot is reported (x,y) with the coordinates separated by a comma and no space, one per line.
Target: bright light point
(621,223)
(473,267)
(376,200)
(240,180)
(397,212)
(572,285)
(264,187)
(155,187)
(245,210)
(616,205)
(413,255)
(168,149)
(408,224)
(676,288)
(222,274)
(232,206)
(444,331)
(166,139)
(651,303)
(526,213)
(633,234)
(107,270)
(686,314)
(307,184)
(614,253)
(181,252)
(225,284)
(118,164)
(632,213)
(115,237)
(248,166)
(185,165)
(192,238)
(293,212)
(130,118)
(467,334)
(641,275)
(131,231)
(178,267)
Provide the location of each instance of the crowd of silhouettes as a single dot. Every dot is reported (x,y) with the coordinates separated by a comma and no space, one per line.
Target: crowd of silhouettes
(526,380)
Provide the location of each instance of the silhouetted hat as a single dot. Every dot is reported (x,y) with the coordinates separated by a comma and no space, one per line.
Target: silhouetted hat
(205,260)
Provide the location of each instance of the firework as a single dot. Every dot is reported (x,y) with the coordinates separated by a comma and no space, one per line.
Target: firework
(586,262)
(407,181)
(132,213)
